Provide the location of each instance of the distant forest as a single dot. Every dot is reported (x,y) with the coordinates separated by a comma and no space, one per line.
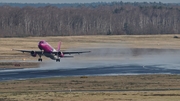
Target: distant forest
(115,18)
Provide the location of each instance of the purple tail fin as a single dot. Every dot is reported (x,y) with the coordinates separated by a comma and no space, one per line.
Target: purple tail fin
(59,46)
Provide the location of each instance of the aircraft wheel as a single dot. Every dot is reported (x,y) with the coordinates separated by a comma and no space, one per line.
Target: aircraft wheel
(40,59)
(57,60)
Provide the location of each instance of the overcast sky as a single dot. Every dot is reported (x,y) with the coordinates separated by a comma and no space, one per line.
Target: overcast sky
(83,1)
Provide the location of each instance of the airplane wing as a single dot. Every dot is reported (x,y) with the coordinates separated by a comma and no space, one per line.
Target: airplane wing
(75,52)
(40,52)
(64,52)
(28,51)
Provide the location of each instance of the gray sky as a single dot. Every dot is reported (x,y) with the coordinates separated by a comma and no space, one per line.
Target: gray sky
(83,1)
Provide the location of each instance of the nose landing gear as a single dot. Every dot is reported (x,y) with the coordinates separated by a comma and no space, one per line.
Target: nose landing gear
(40,59)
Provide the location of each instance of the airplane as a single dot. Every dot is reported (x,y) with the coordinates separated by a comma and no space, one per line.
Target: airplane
(47,50)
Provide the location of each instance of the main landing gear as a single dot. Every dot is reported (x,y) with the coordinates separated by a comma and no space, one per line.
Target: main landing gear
(57,60)
(40,59)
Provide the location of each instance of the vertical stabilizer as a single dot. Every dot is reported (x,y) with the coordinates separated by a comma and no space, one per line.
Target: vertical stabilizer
(59,46)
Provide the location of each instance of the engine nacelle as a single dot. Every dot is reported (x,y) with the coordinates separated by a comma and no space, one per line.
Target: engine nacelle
(33,54)
(60,54)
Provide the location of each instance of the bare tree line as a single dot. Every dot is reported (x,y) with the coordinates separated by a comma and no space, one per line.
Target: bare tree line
(102,20)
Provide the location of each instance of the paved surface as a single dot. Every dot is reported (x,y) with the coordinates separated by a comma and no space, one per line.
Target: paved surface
(102,61)
(130,69)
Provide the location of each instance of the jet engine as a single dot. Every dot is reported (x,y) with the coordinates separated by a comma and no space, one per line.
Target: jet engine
(60,54)
(33,54)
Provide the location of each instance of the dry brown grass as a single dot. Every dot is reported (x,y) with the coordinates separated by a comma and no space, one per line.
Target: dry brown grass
(48,89)
(139,82)
(56,89)
(93,96)
(88,42)
(134,41)
(19,64)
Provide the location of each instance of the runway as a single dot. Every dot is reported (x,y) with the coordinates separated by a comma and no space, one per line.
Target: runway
(103,62)
(22,74)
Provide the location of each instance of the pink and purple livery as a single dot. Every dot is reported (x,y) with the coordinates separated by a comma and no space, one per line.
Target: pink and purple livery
(48,51)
